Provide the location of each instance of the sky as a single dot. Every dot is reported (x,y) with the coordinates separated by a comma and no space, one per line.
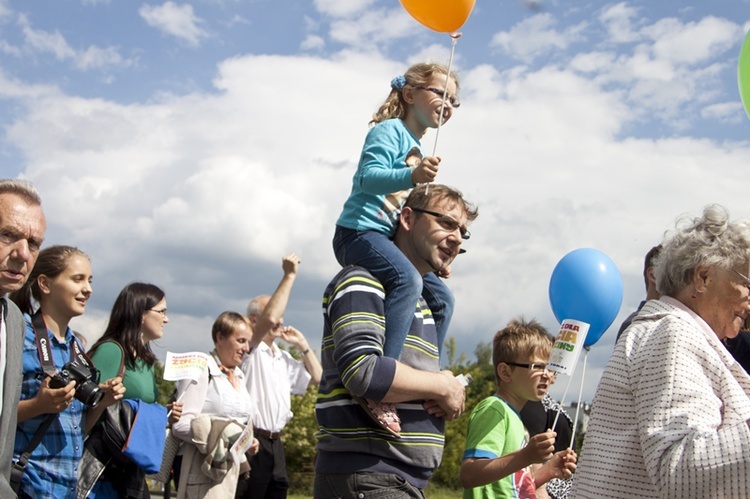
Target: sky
(193,144)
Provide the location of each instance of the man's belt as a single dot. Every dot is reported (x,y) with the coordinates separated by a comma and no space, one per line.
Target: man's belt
(271,435)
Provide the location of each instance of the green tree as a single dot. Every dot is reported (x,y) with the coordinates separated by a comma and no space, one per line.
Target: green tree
(299,440)
(165,388)
(483,385)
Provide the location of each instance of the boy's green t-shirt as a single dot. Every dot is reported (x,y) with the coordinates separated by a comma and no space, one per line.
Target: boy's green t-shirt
(139,382)
(495,429)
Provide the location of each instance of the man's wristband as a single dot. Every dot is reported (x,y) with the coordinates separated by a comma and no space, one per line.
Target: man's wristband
(305,352)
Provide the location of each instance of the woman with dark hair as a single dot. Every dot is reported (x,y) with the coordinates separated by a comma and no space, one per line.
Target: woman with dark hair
(61,284)
(137,318)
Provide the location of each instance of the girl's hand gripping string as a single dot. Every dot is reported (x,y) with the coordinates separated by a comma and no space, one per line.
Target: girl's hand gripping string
(426,170)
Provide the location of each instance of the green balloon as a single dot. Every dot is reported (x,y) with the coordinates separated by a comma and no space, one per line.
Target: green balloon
(743,74)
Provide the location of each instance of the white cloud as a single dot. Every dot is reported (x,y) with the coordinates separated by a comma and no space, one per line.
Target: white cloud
(691,43)
(176,20)
(725,112)
(618,19)
(342,8)
(96,57)
(535,36)
(673,64)
(45,42)
(9,49)
(5,11)
(661,67)
(372,28)
(237,19)
(593,62)
(40,42)
(313,42)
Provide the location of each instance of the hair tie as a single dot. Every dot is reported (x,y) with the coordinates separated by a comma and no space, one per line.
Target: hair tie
(398,82)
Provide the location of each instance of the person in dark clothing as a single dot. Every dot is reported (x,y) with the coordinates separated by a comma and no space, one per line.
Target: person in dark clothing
(739,346)
(651,293)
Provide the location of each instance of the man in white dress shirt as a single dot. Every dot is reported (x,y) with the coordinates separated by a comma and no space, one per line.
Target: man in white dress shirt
(22,227)
(272,376)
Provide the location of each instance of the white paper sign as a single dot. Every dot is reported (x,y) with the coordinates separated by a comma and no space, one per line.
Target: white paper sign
(243,442)
(188,365)
(568,346)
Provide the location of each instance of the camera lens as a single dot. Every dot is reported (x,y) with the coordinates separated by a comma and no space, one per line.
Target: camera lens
(89,393)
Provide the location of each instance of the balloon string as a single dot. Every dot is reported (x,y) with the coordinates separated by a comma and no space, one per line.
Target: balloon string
(562,401)
(454,40)
(580,395)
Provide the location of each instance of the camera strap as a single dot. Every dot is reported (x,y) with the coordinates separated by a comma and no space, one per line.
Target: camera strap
(77,355)
(48,365)
(16,471)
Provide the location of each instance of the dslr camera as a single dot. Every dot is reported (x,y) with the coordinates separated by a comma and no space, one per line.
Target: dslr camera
(87,382)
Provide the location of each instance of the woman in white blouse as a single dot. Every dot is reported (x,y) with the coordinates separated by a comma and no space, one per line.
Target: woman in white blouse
(215,410)
(670,415)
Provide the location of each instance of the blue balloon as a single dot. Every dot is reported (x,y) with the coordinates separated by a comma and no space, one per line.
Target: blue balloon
(586,286)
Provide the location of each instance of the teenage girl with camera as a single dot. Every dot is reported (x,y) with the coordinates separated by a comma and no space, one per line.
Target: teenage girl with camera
(61,285)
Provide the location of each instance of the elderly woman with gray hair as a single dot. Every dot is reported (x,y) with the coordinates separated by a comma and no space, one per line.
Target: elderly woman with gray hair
(670,415)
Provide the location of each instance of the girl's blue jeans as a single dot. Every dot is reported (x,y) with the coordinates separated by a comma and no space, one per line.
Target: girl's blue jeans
(402,282)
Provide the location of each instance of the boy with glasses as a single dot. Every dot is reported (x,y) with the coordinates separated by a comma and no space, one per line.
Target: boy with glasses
(498,456)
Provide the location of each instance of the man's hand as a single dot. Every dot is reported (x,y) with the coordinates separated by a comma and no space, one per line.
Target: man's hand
(290,264)
(254,447)
(294,337)
(451,405)
(273,313)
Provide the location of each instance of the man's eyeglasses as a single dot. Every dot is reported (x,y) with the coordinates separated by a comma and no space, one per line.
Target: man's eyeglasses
(534,368)
(455,103)
(447,222)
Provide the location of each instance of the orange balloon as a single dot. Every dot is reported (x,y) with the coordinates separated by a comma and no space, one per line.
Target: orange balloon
(444,16)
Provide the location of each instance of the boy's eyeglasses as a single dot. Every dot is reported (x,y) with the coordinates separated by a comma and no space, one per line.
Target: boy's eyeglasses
(455,103)
(447,222)
(534,368)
